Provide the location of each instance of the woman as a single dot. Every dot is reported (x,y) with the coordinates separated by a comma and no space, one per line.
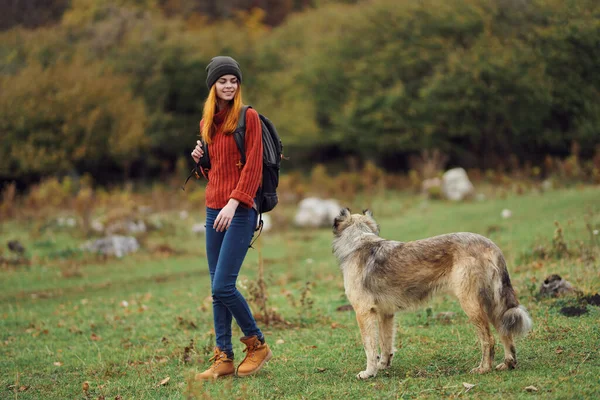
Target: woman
(230,215)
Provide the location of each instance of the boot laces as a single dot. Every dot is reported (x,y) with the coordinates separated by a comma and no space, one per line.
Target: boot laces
(218,359)
(251,350)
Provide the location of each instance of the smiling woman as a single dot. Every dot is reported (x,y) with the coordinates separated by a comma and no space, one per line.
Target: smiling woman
(231,214)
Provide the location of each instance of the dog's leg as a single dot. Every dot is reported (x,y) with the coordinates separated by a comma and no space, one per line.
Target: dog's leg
(478,317)
(386,340)
(510,353)
(367,322)
(486,339)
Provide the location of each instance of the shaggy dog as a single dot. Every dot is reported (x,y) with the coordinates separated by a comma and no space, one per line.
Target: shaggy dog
(383,276)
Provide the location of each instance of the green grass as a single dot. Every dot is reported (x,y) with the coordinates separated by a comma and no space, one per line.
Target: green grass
(59,330)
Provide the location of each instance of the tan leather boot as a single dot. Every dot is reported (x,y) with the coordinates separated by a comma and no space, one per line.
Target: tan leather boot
(257,354)
(221,366)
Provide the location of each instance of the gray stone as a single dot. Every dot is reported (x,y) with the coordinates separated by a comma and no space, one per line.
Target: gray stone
(555,286)
(316,213)
(115,245)
(456,185)
(267,225)
(128,227)
(199,229)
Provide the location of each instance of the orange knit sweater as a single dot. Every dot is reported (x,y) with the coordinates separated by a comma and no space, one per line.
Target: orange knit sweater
(227,178)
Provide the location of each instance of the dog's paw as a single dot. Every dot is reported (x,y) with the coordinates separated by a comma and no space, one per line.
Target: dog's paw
(383,364)
(501,367)
(364,375)
(507,364)
(480,370)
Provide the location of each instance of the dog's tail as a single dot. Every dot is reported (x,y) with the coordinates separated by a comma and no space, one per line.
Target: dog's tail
(511,319)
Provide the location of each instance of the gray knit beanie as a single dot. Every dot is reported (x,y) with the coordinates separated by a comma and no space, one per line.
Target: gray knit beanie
(222,65)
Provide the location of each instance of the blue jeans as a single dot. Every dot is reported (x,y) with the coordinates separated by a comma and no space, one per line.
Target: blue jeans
(226,252)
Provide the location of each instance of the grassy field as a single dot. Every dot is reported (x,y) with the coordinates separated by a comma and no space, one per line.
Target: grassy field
(75,326)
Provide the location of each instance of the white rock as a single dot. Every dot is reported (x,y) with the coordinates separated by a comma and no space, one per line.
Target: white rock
(456,184)
(116,245)
(547,185)
(267,225)
(199,229)
(138,227)
(506,213)
(315,213)
(127,226)
(66,221)
(97,226)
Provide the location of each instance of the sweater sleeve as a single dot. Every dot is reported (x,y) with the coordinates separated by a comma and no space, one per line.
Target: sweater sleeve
(251,175)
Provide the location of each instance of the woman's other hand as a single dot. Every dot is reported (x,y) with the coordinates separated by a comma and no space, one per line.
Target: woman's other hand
(223,220)
(198,151)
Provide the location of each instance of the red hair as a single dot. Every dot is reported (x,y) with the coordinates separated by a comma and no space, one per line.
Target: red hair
(231,119)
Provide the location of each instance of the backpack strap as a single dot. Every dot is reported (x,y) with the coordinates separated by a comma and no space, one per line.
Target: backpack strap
(201,167)
(259,228)
(240,134)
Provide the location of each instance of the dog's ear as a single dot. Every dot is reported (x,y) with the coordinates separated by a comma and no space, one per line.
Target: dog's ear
(344,213)
(368,213)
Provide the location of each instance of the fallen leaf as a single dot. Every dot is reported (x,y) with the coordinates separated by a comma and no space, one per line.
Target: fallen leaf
(85,386)
(559,350)
(187,352)
(280,341)
(468,386)
(334,325)
(95,337)
(531,389)
(118,397)
(58,364)
(23,388)
(75,329)
(101,397)
(165,381)
(321,369)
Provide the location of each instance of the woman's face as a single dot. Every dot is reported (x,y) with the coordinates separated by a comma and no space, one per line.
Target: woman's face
(226,87)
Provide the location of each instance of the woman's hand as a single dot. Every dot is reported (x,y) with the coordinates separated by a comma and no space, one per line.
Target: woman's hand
(198,151)
(223,220)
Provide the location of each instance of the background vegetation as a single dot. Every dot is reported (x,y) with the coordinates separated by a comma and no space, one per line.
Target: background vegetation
(115,89)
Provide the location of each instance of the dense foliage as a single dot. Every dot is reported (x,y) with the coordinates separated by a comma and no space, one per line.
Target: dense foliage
(117,87)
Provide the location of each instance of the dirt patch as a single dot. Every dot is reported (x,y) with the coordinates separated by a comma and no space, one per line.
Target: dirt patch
(593,300)
(573,311)
(346,307)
